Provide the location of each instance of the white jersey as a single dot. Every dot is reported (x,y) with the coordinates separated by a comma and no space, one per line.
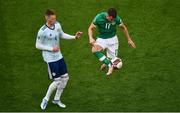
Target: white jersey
(48,38)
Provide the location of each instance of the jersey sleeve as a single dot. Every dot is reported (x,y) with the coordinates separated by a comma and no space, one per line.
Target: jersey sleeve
(95,20)
(59,29)
(64,35)
(118,21)
(40,37)
(40,42)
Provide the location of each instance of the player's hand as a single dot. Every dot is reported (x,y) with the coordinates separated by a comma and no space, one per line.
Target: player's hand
(56,48)
(131,44)
(78,34)
(92,41)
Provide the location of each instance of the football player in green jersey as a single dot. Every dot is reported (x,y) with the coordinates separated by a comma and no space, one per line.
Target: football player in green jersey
(107,23)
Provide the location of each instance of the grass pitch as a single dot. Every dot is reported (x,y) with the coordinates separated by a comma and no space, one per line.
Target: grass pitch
(148,81)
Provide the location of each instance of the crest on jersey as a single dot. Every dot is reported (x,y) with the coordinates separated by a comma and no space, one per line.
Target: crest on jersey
(113,23)
(50,36)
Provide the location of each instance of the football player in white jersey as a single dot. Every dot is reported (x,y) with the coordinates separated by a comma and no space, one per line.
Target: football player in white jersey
(48,41)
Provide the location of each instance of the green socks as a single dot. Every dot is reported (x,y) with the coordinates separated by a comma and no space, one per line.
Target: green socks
(103,58)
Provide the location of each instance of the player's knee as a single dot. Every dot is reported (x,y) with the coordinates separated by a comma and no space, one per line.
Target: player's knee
(65,80)
(56,83)
(65,76)
(94,49)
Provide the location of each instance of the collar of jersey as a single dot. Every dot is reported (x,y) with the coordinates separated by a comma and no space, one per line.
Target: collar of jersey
(106,14)
(50,27)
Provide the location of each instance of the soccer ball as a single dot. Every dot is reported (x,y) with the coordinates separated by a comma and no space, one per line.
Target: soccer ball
(117,63)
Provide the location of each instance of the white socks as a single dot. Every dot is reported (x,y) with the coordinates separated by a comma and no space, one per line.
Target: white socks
(62,84)
(59,85)
(51,88)
(58,92)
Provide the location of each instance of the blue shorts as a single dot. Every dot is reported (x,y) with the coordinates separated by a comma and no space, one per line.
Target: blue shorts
(57,68)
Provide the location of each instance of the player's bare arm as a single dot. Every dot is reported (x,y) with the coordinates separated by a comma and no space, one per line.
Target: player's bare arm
(90,33)
(95,48)
(126,33)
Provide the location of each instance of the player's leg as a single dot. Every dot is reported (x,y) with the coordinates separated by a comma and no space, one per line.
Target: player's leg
(53,73)
(99,46)
(112,48)
(62,84)
(112,51)
(96,50)
(59,91)
(51,88)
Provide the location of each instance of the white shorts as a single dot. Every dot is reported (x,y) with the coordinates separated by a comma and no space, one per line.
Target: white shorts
(111,45)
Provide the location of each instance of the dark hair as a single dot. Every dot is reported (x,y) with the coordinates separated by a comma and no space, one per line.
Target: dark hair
(49,12)
(112,12)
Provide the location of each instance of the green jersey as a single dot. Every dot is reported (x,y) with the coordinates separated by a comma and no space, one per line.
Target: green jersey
(107,29)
